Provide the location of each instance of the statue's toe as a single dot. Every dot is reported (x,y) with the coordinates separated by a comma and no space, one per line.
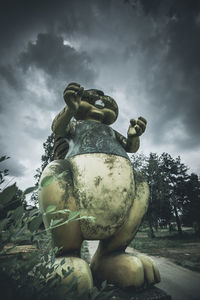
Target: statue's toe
(151,272)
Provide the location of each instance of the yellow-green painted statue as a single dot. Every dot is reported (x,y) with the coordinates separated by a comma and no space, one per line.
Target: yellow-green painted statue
(98,180)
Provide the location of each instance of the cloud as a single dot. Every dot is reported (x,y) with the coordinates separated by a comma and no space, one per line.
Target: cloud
(144,54)
(31,95)
(15,168)
(60,62)
(144,51)
(7,73)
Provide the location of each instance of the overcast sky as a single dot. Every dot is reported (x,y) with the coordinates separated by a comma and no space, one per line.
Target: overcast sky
(145,54)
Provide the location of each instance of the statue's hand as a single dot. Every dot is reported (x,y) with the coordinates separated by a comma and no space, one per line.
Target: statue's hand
(72,95)
(136,128)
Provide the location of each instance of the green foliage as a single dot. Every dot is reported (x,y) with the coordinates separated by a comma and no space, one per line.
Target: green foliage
(175,178)
(10,197)
(183,250)
(106,292)
(173,193)
(191,207)
(31,274)
(24,276)
(47,181)
(142,242)
(3,173)
(7,194)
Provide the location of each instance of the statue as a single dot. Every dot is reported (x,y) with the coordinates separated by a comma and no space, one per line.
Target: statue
(99,181)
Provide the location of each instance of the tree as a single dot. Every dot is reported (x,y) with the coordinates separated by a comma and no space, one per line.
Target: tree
(149,167)
(167,178)
(138,161)
(158,203)
(152,174)
(191,207)
(159,210)
(3,173)
(175,178)
(11,196)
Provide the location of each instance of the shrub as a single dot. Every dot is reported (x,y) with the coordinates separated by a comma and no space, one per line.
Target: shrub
(28,274)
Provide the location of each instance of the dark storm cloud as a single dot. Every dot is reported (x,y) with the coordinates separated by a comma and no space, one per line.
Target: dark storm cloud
(15,168)
(7,73)
(35,132)
(19,19)
(176,81)
(34,69)
(59,61)
(171,8)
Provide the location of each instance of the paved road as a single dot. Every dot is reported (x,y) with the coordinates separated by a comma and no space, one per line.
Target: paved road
(180,283)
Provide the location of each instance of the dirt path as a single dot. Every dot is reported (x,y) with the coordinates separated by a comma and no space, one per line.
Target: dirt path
(180,283)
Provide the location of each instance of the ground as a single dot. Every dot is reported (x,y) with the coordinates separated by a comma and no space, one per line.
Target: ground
(168,249)
(184,250)
(176,281)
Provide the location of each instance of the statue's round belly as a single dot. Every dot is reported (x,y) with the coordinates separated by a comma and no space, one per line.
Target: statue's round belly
(104,188)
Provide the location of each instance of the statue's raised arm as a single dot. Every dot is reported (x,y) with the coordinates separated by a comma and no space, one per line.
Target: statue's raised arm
(136,128)
(72,96)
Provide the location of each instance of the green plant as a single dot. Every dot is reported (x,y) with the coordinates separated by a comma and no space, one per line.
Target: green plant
(29,274)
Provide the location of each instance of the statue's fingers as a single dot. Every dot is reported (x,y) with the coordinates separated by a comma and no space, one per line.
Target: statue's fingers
(141,124)
(156,273)
(148,268)
(133,122)
(138,130)
(149,274)
(90,98)
(80,91)
(152,273)
(72,86)
(143,120)
(94,97)
(70,94)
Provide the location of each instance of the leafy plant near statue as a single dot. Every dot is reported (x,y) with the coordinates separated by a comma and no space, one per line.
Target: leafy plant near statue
(27,260)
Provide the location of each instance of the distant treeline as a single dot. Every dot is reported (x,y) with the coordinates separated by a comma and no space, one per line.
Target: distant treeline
(174,193)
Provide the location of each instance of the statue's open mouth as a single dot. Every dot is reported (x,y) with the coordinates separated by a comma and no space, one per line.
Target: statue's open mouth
(99,104)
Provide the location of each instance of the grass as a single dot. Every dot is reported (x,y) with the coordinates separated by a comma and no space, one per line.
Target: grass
(163,239)
(183,250)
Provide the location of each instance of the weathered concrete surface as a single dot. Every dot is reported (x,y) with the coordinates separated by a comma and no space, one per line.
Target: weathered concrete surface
(180,283)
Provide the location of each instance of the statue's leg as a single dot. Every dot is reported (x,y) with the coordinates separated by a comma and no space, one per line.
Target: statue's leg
(56,188)
(110,261)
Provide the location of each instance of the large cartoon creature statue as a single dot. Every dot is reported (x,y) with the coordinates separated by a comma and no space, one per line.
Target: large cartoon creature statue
(98,180)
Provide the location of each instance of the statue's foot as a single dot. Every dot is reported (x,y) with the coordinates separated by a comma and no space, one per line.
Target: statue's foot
(126,270)
(151,272)
(79,276)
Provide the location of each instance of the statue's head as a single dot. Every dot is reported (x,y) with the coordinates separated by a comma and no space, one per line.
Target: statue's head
(98,107)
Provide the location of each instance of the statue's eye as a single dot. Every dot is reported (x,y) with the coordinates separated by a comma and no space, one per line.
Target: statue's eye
(99,104)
